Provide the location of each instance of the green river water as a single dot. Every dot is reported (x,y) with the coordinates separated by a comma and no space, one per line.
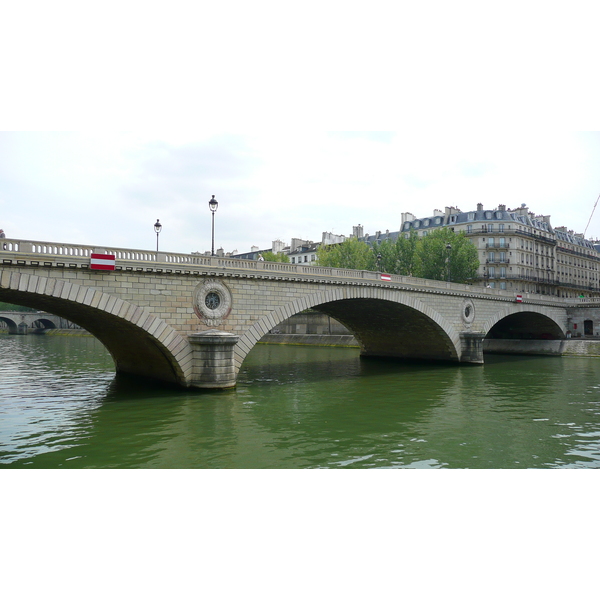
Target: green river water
(297,407)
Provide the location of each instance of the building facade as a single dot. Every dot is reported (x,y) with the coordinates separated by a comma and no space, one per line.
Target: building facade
(520,251)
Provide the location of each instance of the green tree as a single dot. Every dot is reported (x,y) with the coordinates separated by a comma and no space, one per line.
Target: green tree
(446,256)
(4,306)
(276,257)
(350,254)
(399,257)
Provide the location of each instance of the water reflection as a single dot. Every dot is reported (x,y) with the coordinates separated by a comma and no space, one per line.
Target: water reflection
(297,407)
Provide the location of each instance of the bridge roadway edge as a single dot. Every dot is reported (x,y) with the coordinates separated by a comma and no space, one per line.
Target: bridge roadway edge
(156,299)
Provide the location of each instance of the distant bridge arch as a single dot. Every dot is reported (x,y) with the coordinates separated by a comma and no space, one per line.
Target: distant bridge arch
(19,321)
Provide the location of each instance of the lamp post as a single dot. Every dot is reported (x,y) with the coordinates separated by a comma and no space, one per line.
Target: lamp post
(213,205)
(449,248)
(157,228)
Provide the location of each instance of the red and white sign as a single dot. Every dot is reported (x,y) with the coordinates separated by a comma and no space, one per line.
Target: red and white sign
(385,277)
(103,262)
(519,298)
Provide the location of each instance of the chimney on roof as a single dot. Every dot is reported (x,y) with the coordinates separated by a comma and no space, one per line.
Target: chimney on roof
(479,206)
(451,210)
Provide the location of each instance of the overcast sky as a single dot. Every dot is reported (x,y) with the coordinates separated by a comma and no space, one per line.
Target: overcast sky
(299,121)
(109,189)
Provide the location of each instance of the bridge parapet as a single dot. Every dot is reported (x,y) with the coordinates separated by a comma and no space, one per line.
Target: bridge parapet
(53,254)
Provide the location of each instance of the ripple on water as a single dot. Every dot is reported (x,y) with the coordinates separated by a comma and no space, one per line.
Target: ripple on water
(298,407)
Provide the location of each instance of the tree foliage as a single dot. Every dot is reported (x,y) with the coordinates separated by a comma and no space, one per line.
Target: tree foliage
(276,257)
(350,254)
(5,306)
(399,257)
(447,256)
(442,254)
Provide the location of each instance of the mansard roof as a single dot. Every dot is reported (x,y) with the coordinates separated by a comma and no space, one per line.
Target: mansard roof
(478,216)
(380,237)
(571,238)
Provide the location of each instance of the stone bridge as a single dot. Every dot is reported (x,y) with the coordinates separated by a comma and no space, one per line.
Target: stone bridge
(21,322)
(192,319)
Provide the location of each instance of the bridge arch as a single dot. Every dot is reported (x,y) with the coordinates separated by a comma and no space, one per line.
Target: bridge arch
(43,323)
(529,322)
(386,322)
(11,324)
(139,342)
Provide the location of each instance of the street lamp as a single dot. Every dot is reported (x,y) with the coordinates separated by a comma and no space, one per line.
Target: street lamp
(213,205)
(449,248)
(157,228)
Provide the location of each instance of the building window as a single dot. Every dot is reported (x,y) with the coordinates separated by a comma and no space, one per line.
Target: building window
(469,228)
(490,227)
(501,227)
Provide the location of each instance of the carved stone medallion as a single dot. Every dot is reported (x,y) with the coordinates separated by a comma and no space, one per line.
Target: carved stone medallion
(212,302)
(468,311)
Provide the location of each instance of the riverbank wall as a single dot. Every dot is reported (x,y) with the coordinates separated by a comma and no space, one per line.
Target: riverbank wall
(579,347)
(311,329)
(308,339)
(70,332)
(523,347)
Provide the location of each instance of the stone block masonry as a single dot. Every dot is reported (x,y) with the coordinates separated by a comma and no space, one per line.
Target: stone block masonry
(192,320)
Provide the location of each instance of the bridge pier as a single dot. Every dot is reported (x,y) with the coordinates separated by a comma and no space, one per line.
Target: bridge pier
(213,366)
(471,347)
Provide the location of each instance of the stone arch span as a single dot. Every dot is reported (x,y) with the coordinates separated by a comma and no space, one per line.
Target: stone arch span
(139,342)
(11,324)
(385,322)
(43,323)
(529,322)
